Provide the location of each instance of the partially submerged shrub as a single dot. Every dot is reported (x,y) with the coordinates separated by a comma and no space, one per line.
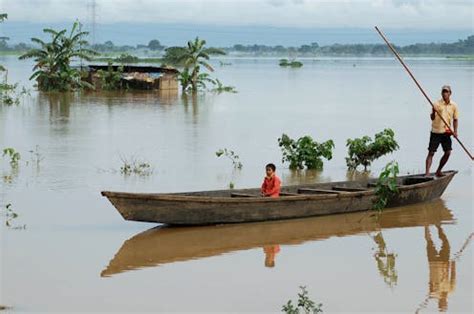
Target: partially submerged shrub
(230,154)
(386,186)
(363,151)
(127,58)
(135,166)
(220,88)
(290,63)
(304,305)
(13,155)
(305,152)
(111,79)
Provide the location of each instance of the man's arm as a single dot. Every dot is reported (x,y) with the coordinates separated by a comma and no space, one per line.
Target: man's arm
(433,113)
(455,124)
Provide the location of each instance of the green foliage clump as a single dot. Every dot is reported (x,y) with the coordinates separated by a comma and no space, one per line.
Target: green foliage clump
(221,88)
(111,79)
(305,304)
(14,156)
(362,151)
(386,186)
(127,58)
(10,215)
(305,152)
(53,70)
(230,154)
(135,166)
(191,58)
(290,63)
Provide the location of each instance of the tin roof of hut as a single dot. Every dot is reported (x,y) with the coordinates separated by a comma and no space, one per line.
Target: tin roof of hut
(134,68)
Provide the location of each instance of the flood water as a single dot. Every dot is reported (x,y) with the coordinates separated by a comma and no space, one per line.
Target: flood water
(77,254)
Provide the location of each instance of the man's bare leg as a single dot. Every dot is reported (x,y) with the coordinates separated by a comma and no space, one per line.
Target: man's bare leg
(429,161)
(443,162)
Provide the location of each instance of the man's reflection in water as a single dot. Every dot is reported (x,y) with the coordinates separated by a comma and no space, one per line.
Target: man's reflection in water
(385,261)
(442,269)
(270,252)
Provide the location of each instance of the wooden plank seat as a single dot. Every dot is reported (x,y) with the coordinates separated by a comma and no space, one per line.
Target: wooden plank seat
(243,195)
(317,191)
(288,194)
(348,189)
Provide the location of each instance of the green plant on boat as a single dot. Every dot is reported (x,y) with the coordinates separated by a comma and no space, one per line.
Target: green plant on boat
(363,151)
(386,186)
(52,69)
(304,305)
(305,152)
(221,88)
(111,79)
(230,154)
(135,166)
(290,63)
(13,155)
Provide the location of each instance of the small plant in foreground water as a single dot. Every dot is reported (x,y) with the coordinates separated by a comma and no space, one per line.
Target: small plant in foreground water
(305,152)
(10,216)
(135,166)
(386,186)
(305,304)
(36,156)
(232,156)
(220,88)
(13,154)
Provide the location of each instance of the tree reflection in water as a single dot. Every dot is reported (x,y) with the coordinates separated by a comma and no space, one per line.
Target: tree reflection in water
(385,261)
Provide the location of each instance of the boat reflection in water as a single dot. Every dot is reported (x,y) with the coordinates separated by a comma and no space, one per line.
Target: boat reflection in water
(164,245)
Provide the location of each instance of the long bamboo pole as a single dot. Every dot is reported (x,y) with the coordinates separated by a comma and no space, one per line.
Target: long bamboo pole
(421,89)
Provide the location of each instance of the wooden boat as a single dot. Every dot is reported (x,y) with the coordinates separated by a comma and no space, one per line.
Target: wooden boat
(246,205)
(164,245)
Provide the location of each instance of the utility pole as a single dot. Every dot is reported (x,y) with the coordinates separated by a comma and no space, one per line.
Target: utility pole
(92,6)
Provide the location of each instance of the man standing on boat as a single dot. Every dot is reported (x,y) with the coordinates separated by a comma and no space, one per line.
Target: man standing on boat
(440,132)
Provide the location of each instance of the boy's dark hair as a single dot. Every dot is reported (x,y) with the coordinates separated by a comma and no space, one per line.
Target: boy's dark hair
(271,166)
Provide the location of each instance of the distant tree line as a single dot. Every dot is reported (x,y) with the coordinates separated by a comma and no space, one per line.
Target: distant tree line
(461,47)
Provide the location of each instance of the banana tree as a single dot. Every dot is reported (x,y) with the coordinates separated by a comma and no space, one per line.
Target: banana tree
(53,70)
(192,57)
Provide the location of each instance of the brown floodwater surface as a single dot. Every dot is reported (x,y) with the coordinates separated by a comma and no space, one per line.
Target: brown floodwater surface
(78,255)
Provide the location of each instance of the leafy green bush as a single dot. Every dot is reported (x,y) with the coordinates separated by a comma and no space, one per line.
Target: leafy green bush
(110,79)
(305,152)
(13,154)
(52,69)
(230,154)
(127,58)
(386,186)
(290,63)
(305,304)
(362,151)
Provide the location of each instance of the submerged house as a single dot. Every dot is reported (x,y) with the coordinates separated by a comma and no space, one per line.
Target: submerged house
(138,76)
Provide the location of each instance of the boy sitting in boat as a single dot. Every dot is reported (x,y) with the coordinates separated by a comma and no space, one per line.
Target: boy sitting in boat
(271,183)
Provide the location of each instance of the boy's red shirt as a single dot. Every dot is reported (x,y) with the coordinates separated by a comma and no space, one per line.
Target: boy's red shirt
(271,186)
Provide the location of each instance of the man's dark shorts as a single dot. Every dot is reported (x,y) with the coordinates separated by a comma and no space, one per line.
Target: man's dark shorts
(443,139)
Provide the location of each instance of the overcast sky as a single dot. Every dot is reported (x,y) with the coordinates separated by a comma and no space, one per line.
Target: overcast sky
(418,14)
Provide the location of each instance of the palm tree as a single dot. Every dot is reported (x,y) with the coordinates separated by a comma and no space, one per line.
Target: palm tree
(53,69)
(192,57)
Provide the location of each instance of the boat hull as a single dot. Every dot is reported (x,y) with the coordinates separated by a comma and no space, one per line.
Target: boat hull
(217,207)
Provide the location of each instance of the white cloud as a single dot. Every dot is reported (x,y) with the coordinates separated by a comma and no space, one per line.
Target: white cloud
(424,14)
